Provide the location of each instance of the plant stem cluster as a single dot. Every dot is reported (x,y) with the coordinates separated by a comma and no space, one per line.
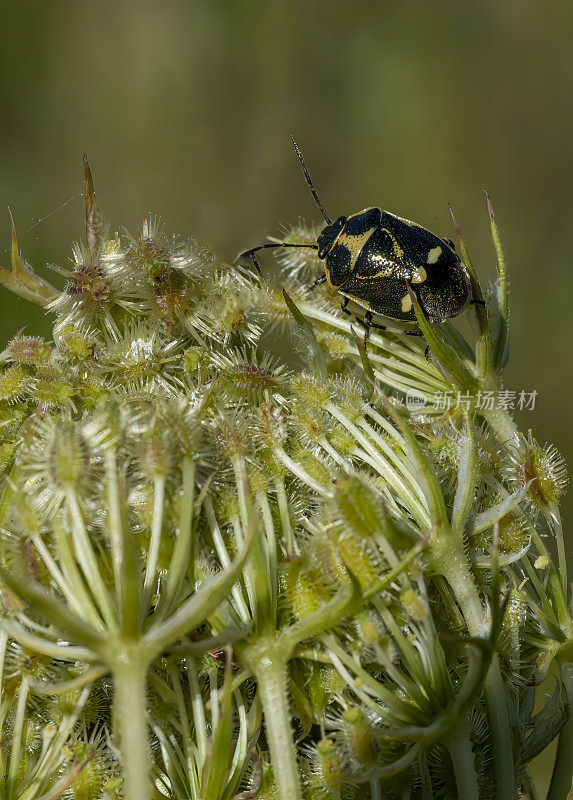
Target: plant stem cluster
(235,564)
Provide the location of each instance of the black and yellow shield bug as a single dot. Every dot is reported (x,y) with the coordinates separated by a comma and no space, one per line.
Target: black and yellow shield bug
(372,257)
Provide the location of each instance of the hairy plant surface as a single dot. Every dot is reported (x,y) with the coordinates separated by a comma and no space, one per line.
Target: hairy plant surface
(238,559)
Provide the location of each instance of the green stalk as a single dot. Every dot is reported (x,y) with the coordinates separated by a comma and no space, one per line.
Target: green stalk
(383,467)
(270,669)
(501,733)
(129,705)
(77,596)
(270,547)
(156,530)
(562,778)
(463,760)
(17,735)
(553,518)
(87,560)
(115,522)
(375,791)
(300,472)
(268,663)
(198,607)
(52,754)
(503,425)
(256,573)
(198,710)
(44,646)
(287,531)
(467,481)
(183,557)
(452,564)
(222,553)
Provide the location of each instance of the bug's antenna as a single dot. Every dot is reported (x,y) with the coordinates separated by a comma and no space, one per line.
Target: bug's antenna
(309,181)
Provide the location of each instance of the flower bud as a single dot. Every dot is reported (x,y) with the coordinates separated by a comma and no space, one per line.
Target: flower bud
(544,467)
(28,350)
(336,345)
(359,736)
(271,425)
(414,604)
(330,765)
(15,383)
(309,391)
(67,456)
(90,780)
(155,459)
(75,345)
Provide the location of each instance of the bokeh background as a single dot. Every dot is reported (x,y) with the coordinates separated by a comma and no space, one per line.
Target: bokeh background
(186,106)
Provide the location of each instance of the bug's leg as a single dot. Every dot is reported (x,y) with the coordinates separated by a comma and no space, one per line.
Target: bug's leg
(427,354)
(256,265)
(367,326)
(477,302)
(318,281)
(394,330)
(344,306)
(366,322)
(377,325)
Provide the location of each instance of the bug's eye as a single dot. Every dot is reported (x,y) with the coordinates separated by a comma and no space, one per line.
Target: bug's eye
(328,236)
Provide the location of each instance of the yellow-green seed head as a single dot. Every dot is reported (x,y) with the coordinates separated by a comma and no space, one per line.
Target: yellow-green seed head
(542,467)
(330,764)
(28,350)
(15,382)
(513,534)
(359,736)
(67,456)
(415,604)
(309,391)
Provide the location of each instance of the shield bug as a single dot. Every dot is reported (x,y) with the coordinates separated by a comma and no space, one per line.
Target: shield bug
(372,257)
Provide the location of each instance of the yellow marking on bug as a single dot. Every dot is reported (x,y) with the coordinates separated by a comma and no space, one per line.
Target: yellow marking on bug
(433,255)
(398,252)
(354,244)
(330,283)
(419,275)
(385,273)
(406,303)
(359,301)
(367,307)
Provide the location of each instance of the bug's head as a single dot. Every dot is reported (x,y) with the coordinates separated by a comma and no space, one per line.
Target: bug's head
(328,236)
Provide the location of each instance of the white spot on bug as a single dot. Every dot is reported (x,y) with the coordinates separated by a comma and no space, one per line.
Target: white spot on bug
(406,303)
(419,275)
(433,255)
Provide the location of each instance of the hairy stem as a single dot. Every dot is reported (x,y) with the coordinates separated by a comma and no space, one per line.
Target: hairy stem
(270,669)
(502,423)
(454,567)
(129,706)
(460,748)
(17,735)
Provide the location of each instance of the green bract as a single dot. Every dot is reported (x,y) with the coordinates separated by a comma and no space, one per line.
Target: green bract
(240,562)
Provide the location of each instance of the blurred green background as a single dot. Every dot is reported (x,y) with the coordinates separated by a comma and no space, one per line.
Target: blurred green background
(186,106)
